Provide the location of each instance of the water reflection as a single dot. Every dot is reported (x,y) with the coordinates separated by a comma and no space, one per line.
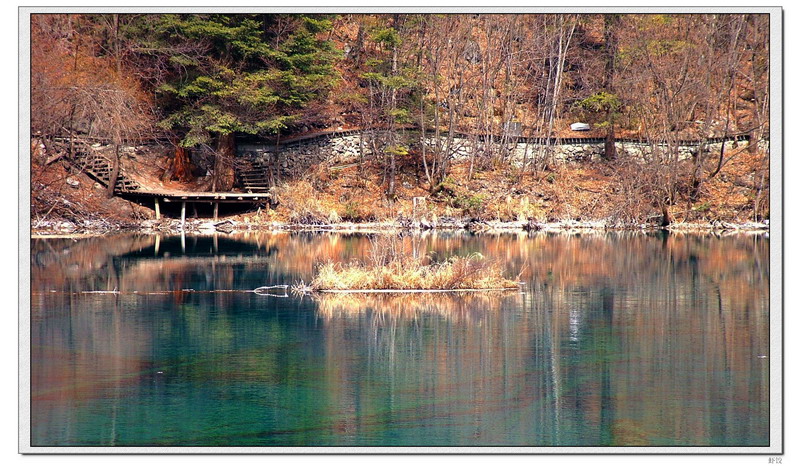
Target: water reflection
(616,339)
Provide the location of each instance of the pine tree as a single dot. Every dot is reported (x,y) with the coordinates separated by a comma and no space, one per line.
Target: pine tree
(220,75)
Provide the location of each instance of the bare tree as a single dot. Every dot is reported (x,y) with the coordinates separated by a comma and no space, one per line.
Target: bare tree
(77,92)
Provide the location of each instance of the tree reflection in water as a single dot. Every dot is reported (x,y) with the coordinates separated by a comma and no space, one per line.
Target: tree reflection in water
(616,339)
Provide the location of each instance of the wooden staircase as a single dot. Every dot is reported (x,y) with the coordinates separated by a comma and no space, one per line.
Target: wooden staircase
(99,168)
(253,176)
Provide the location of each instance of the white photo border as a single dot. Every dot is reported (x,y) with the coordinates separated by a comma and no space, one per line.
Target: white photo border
(776,367)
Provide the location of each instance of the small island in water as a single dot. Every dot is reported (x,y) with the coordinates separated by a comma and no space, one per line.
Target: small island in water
(388,269)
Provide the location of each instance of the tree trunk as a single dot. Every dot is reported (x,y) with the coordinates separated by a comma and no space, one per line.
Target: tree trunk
(358,47)
(223,163)
(424,144)
(610,45)
(117,55)
(112,178)
(666,219)
(180,167)
(610,146)
(390,192)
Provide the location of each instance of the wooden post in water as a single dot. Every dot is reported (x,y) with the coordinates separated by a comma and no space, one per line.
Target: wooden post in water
(158,210)
(183,215)
(216,210)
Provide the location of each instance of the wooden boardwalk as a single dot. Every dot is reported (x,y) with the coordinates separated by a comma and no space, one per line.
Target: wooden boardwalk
(254,177)
(212,198)
(99,168)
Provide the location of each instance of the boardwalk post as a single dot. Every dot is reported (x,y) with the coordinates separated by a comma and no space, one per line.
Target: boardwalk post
(158,209)
(216,210)
(183,215)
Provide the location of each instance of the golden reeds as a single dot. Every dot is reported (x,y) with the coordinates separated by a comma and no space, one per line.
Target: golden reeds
(389,268)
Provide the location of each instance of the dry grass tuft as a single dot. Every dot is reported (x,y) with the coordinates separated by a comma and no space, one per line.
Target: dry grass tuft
(387,267)
(510,208)
(305,205)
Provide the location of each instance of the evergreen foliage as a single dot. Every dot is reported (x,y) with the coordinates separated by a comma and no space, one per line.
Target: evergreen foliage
(242,73)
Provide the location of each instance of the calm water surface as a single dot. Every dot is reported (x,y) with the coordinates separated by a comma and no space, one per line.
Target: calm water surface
(619,339)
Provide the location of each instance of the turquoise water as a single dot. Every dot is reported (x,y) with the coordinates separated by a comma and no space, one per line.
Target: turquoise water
(615,340)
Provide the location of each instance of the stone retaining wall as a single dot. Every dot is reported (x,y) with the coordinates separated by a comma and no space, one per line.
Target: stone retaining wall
(295,158)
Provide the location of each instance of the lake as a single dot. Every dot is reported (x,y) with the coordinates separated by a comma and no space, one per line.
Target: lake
(619,339)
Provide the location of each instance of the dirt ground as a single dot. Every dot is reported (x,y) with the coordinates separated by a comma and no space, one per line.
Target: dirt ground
(64,199)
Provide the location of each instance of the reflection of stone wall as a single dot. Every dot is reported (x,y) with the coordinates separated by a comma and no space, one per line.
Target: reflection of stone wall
(295,158)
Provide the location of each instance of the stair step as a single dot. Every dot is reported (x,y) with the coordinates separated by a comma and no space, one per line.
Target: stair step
(100,168)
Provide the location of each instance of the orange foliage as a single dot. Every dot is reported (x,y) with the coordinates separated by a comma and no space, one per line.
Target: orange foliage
(76,88)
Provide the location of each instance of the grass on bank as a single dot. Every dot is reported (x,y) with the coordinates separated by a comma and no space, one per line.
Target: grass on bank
(620,192)
(389,268)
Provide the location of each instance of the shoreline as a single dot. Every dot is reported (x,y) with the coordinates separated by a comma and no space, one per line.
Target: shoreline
(57,229)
